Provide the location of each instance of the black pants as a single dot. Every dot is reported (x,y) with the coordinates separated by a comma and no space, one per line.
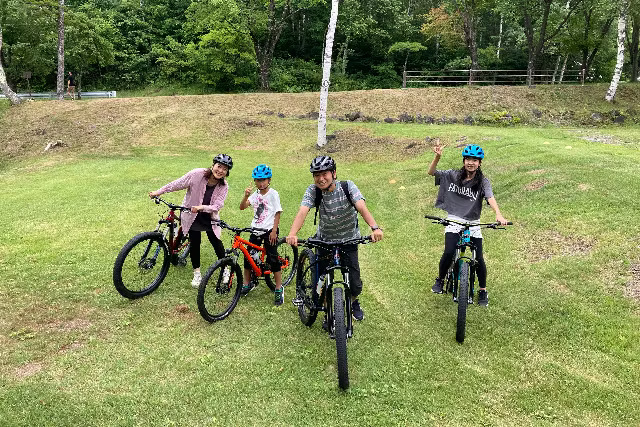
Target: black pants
(450,242)
(195,239)
(272,252)
(348,258)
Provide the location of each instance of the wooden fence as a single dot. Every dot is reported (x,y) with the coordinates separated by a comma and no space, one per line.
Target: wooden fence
(490,77)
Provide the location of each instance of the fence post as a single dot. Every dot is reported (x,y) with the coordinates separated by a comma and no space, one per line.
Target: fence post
(582,76)
(404,80)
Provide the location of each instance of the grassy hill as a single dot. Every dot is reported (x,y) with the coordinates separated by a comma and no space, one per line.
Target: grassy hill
(559,343)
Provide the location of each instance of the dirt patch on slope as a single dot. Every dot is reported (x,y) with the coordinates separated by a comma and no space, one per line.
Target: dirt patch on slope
(632,290)
(550,243)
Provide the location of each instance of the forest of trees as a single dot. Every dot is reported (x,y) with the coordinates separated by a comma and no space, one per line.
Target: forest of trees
(246,45)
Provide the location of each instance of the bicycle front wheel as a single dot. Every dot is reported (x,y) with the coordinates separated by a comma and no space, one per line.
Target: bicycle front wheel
(306,287)
(463,300)
(340,332)
(219,290)
(141,265)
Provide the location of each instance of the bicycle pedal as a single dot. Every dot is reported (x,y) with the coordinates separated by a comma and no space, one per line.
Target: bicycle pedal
(298,302)
(470,300)
(455,298)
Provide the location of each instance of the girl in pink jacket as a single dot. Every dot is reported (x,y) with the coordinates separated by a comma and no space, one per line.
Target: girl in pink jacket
(206,191)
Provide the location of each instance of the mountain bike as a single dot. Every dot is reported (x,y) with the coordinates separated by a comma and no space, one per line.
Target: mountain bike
(320,291)
(461,275)
(219,290)
(144,261)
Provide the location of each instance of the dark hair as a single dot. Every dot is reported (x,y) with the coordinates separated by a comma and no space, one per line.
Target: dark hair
(208,173)
(476,181)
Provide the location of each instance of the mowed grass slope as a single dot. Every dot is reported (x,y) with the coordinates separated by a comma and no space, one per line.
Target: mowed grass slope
(558,345)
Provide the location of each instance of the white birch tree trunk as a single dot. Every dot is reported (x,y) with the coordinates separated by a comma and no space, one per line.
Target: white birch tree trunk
(564,68)
(326,74)
(4,86)
(622,24)
(60,81)
(555,71)
(499,38)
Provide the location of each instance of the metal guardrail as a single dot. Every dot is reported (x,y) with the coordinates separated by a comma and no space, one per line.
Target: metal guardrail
(54,95)
(490,77)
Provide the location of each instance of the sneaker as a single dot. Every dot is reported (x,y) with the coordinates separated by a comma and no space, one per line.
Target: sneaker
(356,311)
(325,324)
(437,286)
(246,288)
(279,296)
(197,278)
(483,297)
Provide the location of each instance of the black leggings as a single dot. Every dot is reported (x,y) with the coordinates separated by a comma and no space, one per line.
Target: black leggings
(450,242)
(195,239)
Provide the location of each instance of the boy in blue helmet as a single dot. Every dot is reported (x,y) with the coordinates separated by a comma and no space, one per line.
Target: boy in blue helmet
(266,214)
(461,194)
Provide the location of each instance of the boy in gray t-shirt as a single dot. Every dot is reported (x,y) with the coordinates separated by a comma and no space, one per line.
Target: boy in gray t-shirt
(461,194)
(338,213)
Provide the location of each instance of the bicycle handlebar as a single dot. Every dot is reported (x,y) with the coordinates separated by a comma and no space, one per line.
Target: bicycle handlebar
(321,243)
(170,205)
(445,221)
(238,230)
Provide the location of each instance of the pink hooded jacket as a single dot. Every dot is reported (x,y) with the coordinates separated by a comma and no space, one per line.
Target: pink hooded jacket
(196,184)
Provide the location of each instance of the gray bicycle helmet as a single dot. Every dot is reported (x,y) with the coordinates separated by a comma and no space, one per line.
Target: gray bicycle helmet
(224,159)
(322,163)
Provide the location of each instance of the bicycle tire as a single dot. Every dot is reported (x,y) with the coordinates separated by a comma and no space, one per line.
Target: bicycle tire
(463,301)
(137,278)
(340,332)
(217,299)
(289,253)
(306,282)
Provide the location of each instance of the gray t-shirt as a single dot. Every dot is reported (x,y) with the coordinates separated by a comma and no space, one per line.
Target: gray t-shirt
(460,200)
(338,219)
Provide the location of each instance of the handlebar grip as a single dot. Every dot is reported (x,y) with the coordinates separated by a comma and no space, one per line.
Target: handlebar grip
(509,223)
(433,217)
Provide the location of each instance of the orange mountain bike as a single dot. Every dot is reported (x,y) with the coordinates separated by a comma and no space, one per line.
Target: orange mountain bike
(220,287)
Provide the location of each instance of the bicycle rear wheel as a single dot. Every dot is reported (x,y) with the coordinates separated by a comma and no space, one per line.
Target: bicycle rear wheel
(340,332)
(288,256)
(219,290)
(306,287)
(141,265)
(463,293)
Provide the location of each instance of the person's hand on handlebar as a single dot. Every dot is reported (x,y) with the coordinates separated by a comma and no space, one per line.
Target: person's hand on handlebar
(292,240)
(376,236)
(153,194)
(500,220)
(196,209)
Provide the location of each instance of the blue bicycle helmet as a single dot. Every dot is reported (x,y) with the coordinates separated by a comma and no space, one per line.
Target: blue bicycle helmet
(473,151)
(261,172)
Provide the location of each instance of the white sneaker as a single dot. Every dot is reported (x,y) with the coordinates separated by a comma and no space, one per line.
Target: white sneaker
(197,278)
(226,275)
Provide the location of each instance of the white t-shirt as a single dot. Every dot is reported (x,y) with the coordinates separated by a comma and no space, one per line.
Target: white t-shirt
(265,208)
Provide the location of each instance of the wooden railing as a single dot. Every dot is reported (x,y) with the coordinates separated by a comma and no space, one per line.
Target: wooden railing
(490,77)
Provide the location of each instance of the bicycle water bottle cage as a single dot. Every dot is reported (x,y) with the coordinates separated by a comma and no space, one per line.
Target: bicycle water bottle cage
(466,235)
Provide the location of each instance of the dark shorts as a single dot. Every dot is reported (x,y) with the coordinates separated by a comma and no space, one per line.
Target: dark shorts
(272,252)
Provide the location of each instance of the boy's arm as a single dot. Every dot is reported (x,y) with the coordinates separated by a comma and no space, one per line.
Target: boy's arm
(494,205)
(245,203)
(298,222)
(273,236)
(361,207)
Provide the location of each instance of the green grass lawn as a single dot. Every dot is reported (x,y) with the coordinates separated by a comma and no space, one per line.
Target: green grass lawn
(558,345)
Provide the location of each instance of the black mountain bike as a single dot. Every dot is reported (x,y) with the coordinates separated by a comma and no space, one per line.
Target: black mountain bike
(461,275)
(144,261)
(320,291)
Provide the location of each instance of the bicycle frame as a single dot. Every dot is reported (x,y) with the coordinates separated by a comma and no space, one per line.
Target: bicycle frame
(463,243)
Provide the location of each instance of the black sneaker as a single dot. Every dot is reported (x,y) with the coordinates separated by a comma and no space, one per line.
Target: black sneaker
(356,311)
(246,288)
(483,297)
(279,296)
(437,286)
